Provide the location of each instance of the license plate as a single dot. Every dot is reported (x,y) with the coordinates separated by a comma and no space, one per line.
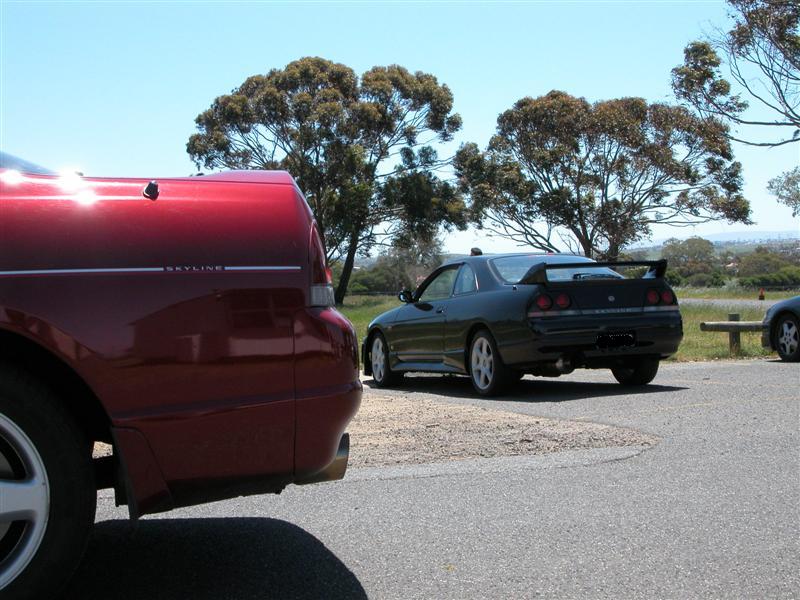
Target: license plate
(612,341)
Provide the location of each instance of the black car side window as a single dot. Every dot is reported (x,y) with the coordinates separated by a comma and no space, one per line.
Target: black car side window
(465,282)
(440,287)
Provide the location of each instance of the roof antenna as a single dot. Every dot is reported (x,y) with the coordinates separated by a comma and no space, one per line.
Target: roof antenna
(151,190)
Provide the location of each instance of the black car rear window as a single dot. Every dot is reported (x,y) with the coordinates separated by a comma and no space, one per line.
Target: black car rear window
(513,268)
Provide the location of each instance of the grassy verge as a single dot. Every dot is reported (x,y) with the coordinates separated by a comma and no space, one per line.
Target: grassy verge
(706,345)
(733,293)
(362,309)
(696,345)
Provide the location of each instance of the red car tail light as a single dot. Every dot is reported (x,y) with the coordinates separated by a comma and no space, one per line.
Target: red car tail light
(321,291)
(667,297)
(544,302)
(653,296)
(563,301)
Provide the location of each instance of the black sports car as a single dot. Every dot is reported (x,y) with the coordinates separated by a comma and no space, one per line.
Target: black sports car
(498,317)
(782,329)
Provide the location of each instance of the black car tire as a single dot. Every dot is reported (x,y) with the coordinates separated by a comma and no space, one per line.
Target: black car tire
(41,443)
(382,373)
(787,338)
(488,374)
(638,372)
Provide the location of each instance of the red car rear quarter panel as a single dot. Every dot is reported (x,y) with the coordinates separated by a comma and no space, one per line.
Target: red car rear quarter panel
(328,385)
(184,343)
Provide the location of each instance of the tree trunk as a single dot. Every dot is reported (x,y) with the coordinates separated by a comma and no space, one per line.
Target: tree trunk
(347,268)
(612,254)
(586,246)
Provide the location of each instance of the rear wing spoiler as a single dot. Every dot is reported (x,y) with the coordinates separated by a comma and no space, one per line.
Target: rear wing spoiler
(538,272)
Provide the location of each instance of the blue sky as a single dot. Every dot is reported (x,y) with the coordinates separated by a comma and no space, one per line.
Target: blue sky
(113,88)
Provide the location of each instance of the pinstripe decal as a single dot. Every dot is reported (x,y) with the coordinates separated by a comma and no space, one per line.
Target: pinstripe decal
(175,269)
(263,268)
(604,311)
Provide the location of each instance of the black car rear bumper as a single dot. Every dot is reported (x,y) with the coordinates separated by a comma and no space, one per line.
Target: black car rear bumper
(596,340)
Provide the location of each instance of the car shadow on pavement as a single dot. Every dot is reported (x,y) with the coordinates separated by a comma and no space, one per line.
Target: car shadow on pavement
(232,558)
(530,389)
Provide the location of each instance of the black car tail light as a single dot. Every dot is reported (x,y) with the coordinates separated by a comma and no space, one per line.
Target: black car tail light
(563,301)
(544,302)
(653,296)
(667,297)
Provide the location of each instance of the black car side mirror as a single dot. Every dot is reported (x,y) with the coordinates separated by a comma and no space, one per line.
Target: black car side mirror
(406,296)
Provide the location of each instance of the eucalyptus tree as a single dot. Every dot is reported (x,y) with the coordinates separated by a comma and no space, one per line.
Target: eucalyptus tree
(786,188)
(353,143)
(761,56)
(755,63)
(600,175)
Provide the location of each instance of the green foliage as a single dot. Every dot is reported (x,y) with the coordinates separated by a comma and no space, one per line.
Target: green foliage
(673,278)
(358,147)
(761,55)
(714,279)
(690,256)
(786,188)
(762,262)
(384,276)
(603,172)
(400,267)
(784,277)
(427,202)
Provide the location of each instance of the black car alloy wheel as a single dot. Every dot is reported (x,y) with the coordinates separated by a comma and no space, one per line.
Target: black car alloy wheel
(382,374)
(487,372)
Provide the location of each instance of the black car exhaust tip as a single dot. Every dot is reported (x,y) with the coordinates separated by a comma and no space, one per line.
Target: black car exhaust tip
(564,365)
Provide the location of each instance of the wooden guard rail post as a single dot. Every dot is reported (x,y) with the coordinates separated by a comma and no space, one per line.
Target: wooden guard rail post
(733,326)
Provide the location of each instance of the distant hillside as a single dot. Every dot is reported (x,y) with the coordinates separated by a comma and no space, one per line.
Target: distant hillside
(732,236)
(736,246)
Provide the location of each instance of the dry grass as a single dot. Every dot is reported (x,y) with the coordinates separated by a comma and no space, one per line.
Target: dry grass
(733,293)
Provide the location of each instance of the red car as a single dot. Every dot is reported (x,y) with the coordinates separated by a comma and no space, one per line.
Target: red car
(187,322)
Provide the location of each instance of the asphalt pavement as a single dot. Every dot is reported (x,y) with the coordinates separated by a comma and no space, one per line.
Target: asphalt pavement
(711,511)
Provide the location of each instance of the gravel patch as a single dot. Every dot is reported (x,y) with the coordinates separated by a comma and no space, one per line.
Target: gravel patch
(396,429)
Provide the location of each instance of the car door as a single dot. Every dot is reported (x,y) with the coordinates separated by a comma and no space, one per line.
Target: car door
(417,333)
(460,314)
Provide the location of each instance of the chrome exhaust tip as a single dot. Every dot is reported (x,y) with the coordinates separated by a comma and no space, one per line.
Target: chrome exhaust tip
(564,365)
(336,469)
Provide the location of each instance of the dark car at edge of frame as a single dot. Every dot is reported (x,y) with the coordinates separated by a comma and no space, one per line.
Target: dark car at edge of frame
(781,329)
(496,318)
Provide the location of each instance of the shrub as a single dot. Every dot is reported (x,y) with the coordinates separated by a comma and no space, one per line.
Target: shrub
(787,276)
(674,279)
(717,279)
(699,280)
(761,262)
